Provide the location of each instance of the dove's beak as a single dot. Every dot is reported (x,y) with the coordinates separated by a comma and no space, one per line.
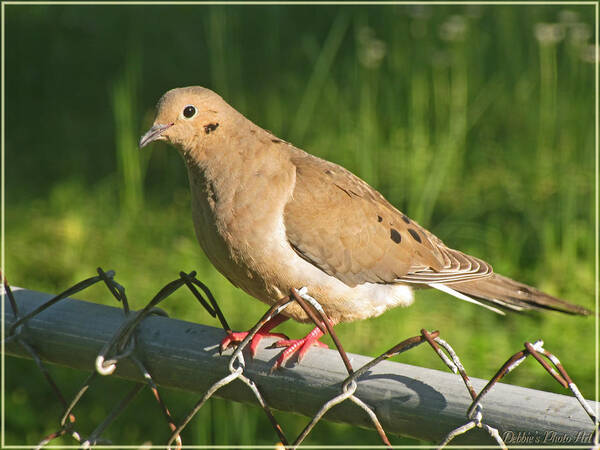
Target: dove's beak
(154,134)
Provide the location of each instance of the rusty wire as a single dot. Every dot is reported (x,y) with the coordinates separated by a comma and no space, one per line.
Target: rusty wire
(123,346)
(456,366)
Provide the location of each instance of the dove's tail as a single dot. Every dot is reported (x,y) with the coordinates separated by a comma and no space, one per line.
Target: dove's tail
(502,291)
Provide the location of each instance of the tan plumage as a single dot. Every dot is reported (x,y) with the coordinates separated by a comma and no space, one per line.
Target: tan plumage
(272,217)
(360,237)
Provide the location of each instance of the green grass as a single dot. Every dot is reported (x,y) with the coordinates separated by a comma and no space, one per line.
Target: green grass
(474,121)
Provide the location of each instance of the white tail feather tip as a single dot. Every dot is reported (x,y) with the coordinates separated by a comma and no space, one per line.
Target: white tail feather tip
(461,296)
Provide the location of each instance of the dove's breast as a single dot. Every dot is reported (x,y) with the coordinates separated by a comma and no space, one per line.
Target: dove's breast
(237,216)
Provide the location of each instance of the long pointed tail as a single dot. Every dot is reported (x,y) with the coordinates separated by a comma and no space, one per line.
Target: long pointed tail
(511,294)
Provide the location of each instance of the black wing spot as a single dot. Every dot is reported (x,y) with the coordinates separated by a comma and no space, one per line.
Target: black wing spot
(379,219)
(210,127)
(406,219)
(276,141)
(395,236)
(415,235)
(328,172)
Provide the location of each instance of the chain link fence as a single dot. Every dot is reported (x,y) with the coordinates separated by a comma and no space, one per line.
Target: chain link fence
(123,346)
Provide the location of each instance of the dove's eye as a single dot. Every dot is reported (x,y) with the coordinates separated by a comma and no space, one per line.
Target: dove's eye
(189,111)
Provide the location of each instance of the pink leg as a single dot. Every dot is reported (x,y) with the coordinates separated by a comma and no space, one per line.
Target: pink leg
(299,346)
(262,332)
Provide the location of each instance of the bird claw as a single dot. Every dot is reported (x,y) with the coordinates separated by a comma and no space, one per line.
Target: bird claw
(233,338)
(299,346)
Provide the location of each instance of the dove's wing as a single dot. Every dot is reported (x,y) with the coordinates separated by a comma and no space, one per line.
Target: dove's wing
(342,225)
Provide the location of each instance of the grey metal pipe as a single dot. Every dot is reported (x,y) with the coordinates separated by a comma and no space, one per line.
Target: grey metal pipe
(408,400)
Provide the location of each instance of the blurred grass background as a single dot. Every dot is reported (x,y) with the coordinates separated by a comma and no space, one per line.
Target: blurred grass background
(477,121)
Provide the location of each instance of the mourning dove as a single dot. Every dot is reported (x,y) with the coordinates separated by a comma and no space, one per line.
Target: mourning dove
(272,218)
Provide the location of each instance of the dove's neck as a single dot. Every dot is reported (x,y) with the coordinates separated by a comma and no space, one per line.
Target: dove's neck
(236,162)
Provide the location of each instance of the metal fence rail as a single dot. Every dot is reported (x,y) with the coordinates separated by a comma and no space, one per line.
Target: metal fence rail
(407,400)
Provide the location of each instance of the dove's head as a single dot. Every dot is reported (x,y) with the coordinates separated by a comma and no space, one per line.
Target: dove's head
(186,116)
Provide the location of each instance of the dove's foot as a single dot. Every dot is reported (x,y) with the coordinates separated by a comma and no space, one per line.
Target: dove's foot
(299,346)
(233,338)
